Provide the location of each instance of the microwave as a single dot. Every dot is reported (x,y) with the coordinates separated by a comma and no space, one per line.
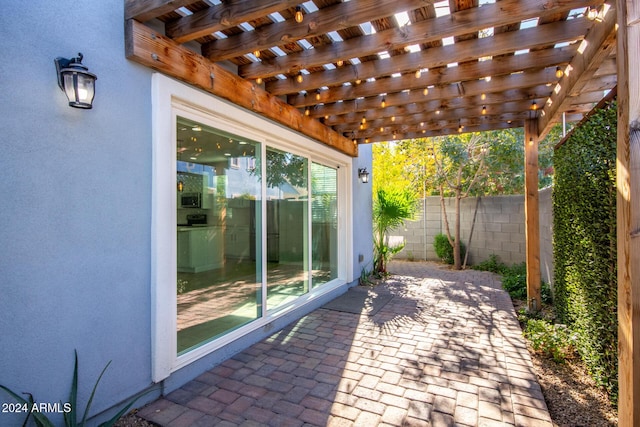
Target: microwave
(190,200)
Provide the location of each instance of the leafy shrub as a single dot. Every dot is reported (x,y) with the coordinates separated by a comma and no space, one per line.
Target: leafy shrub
(555,341)
(444,249)
(493,264)
(514,281)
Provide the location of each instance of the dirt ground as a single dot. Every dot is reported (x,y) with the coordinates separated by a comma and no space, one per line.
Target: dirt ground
(572,397)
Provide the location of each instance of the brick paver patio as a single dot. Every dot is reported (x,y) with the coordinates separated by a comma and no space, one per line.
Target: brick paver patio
(445,350)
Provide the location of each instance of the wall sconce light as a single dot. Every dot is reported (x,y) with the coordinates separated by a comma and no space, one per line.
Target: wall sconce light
(363,175)
(76,81)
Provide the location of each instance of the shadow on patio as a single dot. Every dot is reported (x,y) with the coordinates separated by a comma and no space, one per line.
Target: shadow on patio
(431,347)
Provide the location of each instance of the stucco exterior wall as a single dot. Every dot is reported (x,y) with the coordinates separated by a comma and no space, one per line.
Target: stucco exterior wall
(76,212)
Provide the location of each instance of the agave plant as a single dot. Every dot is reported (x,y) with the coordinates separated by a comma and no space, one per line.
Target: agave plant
(70,416)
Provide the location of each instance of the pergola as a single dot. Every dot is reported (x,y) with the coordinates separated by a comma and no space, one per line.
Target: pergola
(355,72)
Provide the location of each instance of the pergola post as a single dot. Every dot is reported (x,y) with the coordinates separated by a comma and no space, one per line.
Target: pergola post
(531,214)
(628,211)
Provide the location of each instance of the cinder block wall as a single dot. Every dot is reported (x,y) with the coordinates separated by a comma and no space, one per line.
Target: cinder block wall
(546,234)
(499,228)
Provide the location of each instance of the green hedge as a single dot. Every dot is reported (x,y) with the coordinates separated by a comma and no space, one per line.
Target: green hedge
(584,228)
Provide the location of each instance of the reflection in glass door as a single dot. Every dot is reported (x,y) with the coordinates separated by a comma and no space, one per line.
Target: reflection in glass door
(218,233)
(287,227)
(324,220)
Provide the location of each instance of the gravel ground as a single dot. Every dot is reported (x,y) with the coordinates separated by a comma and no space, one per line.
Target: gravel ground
(572,397)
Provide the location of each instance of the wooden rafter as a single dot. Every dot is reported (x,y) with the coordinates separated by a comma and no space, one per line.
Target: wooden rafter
(440,76)
(332,18)
(595,48)
(517,43)
(148,47)
(223,16)
(459,23)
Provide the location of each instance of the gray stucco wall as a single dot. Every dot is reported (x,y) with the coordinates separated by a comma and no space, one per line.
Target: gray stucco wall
(362,221)
(76,211)
(75,207)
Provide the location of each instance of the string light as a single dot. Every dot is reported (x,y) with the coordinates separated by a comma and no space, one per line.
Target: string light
(339,62)
(460,127)
(559,72)
(364,120)
(393,118)
(418,74)
(299,17)
(384,102)
(256,53)
(484,110)
(425,91)
(483,96)
(307,111)
(259,80)
(317,95)
(534,106)
(299,78)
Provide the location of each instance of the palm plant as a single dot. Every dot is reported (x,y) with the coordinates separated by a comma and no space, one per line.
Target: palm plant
(391,208)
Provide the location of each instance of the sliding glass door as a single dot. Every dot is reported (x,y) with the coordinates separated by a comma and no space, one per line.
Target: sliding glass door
(257,228)
(219,238)
(324,230)
(287,227)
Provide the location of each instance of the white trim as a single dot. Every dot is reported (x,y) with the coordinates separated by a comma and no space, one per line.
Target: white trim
(170,98)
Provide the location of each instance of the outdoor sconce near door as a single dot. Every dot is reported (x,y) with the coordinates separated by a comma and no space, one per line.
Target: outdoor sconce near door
(363,175)
(76,81)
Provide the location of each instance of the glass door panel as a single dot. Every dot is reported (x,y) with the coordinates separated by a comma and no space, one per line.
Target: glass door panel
(287,227)
(324,223)
(218,233)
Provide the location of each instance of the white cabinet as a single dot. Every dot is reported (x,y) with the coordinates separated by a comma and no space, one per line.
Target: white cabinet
(200,248)
(238,242)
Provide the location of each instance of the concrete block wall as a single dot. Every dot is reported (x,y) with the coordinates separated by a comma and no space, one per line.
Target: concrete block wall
(499,228)
(546,234)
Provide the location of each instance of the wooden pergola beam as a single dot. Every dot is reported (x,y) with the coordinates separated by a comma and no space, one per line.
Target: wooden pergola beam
(332,18)
(628,212)
(596,47)
(465,116)
(431,30)
(446,75)
(222,16)
(453,130)
(145,10)
(149,48)
(527,79)
(416,103)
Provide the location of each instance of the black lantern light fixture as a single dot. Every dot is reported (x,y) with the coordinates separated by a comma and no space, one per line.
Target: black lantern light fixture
(363,175)
(76,81)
